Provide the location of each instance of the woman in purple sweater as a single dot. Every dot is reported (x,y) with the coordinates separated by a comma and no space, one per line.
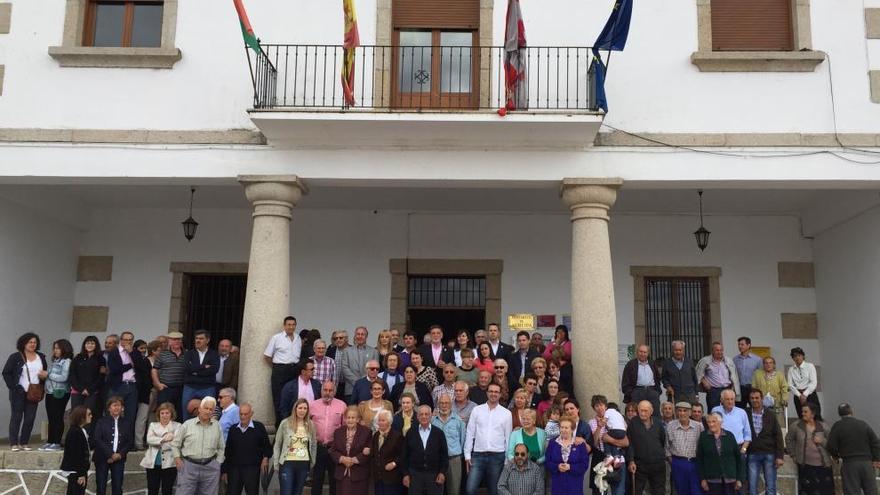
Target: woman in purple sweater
(566,461)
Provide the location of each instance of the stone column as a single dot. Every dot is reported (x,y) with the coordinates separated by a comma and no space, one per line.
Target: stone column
(267,300)
(593,318)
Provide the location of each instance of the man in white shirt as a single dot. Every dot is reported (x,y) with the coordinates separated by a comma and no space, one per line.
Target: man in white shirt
(485,444)
(282,352)
(803,381)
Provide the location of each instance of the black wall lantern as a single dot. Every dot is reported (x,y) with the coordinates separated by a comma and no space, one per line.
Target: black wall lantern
(190,225)
(701,234)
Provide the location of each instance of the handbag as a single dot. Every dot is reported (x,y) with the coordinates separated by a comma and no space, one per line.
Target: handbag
(35,390)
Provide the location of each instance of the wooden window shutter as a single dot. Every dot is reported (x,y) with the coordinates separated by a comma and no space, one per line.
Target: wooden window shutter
(752,25)
(436,14)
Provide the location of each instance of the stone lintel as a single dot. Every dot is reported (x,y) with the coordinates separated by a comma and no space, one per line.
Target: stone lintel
(796,274)
(425,266)
(675,271)
(800,326)
(209,267)
(794,61)
(94,269)
(90,319)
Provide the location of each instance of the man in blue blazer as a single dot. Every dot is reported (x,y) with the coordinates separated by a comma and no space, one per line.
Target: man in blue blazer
(360,391)
(301,387)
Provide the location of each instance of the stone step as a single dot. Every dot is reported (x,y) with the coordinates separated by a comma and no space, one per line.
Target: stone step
(38,471)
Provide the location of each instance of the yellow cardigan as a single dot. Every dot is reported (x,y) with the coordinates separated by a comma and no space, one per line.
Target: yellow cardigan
(776,387)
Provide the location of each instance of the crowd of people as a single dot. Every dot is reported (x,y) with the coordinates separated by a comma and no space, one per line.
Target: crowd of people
(428,417)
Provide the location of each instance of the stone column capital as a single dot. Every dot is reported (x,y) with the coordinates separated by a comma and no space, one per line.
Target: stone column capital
(590,198)
(273,195)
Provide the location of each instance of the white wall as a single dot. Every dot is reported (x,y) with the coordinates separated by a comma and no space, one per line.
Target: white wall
(340,263)
(847,285)
(210,87)
(38,257)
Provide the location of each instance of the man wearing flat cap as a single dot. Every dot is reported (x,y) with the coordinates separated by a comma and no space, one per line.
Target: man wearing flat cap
(681,450)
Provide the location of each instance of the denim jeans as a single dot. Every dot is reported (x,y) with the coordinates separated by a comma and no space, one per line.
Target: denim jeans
(767,464)
(21,421)
(190,392)
(292,477)
(488,464)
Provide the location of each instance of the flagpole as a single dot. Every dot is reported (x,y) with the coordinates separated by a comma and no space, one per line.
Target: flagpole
(608,63)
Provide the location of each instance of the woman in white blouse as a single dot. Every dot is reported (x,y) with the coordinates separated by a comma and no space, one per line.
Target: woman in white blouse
(158,459)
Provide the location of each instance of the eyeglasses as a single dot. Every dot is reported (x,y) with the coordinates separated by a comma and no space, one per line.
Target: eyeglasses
(501,367)
(372,368)
(521,454)
(225,396)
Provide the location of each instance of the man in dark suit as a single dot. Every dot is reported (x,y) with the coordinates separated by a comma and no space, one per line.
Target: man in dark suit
(230,370)
(501,350)
(641,381)
(425,458)
(519,364)
(202,364)
(361,389)
(113,439)
(123,363)
(766,448)
(435,354)
(301,387)
(248,451)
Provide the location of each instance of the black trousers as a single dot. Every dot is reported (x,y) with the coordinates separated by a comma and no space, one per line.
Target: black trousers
(281,374)
(323,466)
(243,477)
(164,478)
(55,416)
(744,392)
(74,488)
(93,403)
(21,421)
(649,394)
(115,470)
(423,482)
(653,475)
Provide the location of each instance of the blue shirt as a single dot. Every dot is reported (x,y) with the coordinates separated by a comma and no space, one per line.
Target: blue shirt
(454,430)
(746,367)
(228,419)
(736,422)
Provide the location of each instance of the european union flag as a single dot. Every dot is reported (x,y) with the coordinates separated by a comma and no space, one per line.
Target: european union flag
(616,30)
(598,67)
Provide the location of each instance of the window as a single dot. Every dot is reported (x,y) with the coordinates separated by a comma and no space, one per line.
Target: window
(131,23)
(677,309)
(435,68)
(436,54)
(752,25)
(447,292)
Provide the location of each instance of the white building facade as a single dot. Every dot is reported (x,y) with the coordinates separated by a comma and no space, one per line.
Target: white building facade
(352,216)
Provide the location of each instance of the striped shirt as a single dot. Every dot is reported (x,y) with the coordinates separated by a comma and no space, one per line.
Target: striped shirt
(682,441)
(172,368)
(528,480)
(325,370)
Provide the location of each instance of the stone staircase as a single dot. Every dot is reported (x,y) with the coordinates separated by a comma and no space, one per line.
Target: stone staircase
(36,473)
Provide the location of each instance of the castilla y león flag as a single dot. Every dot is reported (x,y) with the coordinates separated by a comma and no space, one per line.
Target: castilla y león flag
(351,41)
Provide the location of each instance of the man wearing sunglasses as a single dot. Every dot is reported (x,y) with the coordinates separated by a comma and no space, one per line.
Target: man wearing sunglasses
(521,476)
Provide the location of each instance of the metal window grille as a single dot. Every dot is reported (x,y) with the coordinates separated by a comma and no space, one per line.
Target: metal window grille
(677,309)
(216,304)
(447,292)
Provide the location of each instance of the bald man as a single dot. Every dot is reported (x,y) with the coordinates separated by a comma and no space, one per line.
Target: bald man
(647,451)
(641,381)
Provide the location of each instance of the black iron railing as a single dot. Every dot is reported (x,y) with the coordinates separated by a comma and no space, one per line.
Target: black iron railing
(421,78)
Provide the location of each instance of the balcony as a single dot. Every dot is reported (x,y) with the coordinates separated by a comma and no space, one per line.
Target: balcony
(424,97)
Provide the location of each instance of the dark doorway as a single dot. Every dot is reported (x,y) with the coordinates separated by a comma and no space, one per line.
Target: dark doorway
(452,301)
(452,320)
(216,304)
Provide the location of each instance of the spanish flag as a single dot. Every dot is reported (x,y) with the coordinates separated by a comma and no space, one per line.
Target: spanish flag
(247,32)
(350,42)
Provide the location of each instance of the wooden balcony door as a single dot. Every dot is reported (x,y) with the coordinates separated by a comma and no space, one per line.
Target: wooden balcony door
(435,69)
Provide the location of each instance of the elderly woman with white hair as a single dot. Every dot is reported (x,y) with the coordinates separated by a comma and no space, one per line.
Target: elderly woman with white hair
(198,451)
(721,467)
(387,447)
